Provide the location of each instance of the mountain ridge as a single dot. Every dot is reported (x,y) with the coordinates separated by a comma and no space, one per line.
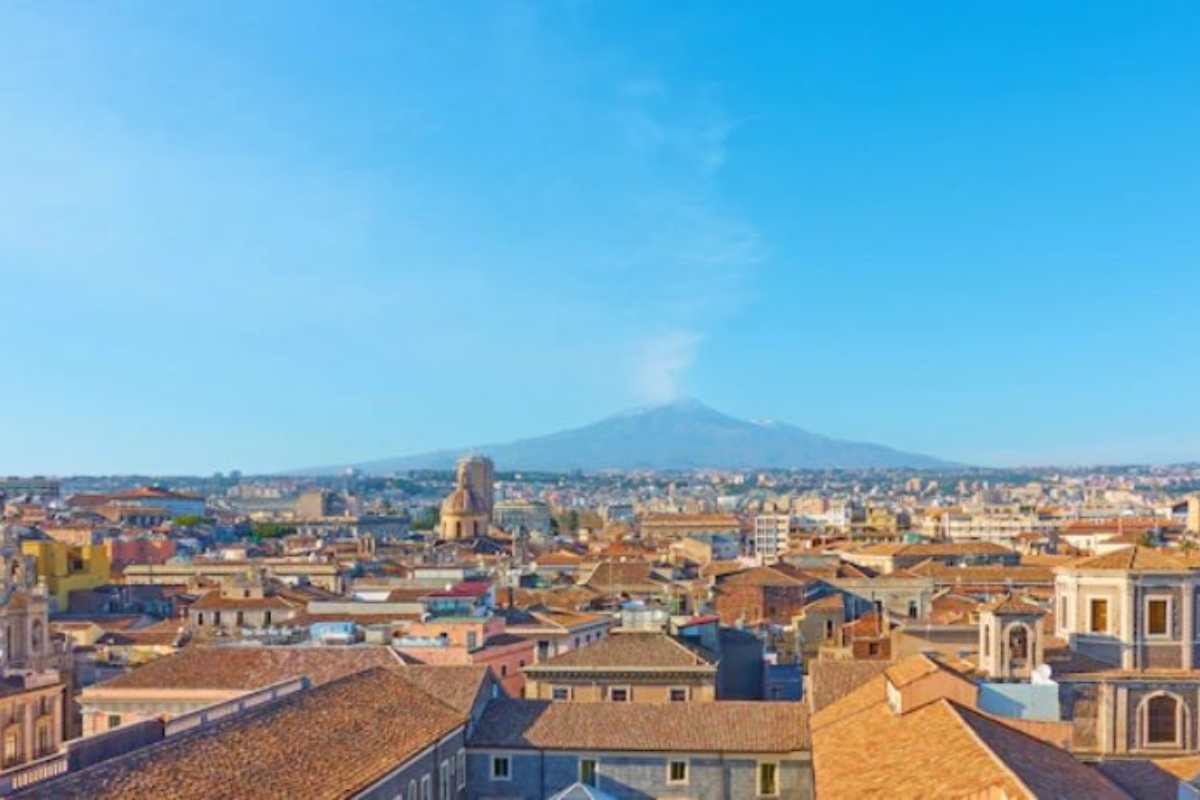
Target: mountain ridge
(683,434)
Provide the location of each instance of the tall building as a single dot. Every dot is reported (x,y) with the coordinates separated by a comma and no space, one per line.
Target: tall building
(467,511)
(478,474)
(771,536)
(32,703)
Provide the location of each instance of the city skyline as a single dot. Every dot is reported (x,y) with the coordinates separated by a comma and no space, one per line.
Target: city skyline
(239,239)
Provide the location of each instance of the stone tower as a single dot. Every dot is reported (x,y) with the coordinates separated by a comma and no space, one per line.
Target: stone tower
(467,511)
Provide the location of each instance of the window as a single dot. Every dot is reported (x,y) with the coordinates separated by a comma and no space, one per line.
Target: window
(267,617)
(679,695)
(1156,617)
(587,771)
(472,640)
(427,788)
(619,695)
(114,720)
(43,740)
(1018,643)
(912,609)
(216,618)
(1160,720)
(1062,612)
(503,670)
(677,772)
(561,693)
(501,769)
(461,758)
(412,790)
(12,748)
(768,779)
(444,780)
(828,629)
(200,619)
(873,649)
(1099,618)
(241,619)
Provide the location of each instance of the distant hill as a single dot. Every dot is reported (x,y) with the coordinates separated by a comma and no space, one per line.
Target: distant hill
(682,435)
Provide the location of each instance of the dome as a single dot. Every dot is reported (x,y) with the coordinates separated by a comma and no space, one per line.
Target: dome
(460,502)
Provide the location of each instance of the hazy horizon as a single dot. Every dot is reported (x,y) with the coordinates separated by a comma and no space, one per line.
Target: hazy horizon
(266,237)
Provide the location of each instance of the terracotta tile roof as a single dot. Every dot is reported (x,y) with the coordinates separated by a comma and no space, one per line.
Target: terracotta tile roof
(629,649)
(715,568)
(1008,604)
(618,576)
(775,575)
(1021,574)
(953,609)
(1140,559)
(558,559)
(911,669)
(1047,771)
(830,680)
(937,549)
(727,726)
(830,602)
(718,520)
(862,749)
(329,742)
(458,686)
(216,601)
(243,668)
(558,597)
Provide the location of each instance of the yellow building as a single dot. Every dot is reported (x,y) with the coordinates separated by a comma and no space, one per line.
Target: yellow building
(66,569)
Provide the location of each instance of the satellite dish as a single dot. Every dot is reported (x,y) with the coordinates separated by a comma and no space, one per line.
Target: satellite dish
(1041,674)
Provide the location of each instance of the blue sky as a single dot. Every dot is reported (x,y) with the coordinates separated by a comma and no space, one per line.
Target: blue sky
(271,235)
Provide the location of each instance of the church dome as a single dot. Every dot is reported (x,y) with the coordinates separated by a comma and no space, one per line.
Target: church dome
(460,502)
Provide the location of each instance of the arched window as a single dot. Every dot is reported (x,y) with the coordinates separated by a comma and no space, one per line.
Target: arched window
(1162,716)
(1018,643)
(458,530)
(35,638)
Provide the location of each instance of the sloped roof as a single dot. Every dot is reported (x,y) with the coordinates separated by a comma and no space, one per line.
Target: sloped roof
(941,749)
(332,741)
(1139,559)
(724,727)
(631,650)
(242,668)
(762,576)
(830,680)
(1008,604)
(456,685)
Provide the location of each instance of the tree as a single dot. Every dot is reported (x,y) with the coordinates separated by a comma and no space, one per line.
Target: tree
(428,519)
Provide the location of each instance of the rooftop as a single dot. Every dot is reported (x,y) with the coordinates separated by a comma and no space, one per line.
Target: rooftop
(633,650)
(242,668)
(332,741)
(724,727)
(863,749)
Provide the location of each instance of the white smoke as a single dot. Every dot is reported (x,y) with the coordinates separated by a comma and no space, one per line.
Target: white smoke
(662,363)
